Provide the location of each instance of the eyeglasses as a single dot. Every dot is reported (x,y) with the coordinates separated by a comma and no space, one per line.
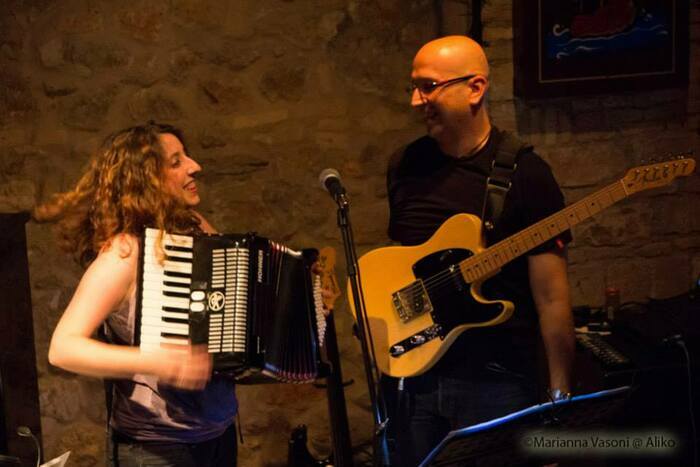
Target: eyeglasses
(426,88)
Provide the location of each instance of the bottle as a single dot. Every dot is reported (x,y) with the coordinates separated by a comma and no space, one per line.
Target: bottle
(612,302)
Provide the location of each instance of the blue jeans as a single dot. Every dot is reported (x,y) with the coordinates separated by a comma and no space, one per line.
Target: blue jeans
(433,404)
(218,452)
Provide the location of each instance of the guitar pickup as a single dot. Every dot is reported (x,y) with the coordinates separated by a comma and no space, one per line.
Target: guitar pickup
(411,301)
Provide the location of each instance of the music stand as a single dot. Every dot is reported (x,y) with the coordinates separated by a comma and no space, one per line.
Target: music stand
(497,442)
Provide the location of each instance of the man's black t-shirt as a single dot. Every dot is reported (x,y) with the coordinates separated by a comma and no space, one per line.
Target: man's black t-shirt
(426,187)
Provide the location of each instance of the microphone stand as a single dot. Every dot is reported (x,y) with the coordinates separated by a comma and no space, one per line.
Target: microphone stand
(379,445)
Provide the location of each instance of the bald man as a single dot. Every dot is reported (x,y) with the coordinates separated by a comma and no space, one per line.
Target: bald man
(487,372)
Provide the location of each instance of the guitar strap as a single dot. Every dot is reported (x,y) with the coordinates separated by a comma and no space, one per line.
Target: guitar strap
(503,165)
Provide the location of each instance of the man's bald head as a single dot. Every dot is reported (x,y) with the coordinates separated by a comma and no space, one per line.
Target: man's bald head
(453,56)
(450,79)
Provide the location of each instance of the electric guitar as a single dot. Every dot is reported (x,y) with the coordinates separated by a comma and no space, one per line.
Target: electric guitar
(419,299)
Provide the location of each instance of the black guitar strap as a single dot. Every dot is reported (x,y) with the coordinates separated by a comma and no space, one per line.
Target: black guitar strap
(503,165)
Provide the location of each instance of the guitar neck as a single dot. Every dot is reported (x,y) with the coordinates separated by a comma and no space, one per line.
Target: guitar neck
(493,258)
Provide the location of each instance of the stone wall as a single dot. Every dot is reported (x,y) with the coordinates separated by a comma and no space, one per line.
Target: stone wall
(272,91)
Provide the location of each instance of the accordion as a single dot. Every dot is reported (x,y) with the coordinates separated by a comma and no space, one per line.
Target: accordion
(253,303)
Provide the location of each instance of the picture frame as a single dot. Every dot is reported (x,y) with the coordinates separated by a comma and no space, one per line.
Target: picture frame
(573,47)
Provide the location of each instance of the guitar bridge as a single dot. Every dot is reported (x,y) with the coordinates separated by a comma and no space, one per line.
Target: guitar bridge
(411,301)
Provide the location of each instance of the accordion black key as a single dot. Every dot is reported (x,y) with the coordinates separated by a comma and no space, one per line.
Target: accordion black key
(254,303)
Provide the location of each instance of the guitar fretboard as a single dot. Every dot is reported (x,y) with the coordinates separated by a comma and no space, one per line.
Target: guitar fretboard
(494,257)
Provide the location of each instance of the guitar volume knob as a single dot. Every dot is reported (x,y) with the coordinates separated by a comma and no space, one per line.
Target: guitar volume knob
(418,339)
(397,350)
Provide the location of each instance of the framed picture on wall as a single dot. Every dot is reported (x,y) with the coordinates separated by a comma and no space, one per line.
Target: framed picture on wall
(569,47)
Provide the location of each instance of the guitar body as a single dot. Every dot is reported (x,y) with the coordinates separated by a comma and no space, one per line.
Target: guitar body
(455,305)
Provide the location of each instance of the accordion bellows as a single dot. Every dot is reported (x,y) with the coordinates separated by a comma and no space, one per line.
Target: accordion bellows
(253,302)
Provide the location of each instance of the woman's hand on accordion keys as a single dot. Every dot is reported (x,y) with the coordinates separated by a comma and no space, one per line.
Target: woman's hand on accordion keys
(185,368)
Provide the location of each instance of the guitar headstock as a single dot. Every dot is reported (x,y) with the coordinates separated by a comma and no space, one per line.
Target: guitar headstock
(645,177)
(326,262)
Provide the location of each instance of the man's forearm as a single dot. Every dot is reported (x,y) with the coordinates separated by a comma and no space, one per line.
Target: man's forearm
(550,290)
(557,330)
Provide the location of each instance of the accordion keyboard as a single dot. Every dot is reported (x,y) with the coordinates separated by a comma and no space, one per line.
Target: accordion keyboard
(165,301)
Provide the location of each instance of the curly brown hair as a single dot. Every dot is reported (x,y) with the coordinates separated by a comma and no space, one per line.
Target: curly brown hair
(120,192)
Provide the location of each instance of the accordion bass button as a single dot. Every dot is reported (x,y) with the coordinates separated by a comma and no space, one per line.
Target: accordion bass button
(197,295)
(197,306)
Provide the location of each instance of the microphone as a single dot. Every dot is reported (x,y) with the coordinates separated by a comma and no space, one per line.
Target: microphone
(330,181)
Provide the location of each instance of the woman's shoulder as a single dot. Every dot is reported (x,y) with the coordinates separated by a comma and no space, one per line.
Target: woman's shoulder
(204,224)
(122,245)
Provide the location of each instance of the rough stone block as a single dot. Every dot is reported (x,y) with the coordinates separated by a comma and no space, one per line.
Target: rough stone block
(580,164)
(384,119)
(503,115)
(234,18)
(283,81)
(497,12)
(218,94)
(61,397)
(79,18)
(86,112)
(181,60)
(8,51)
(85,441)
(57,88)
(695,269)
(329,25)
(144,19)
(675,215)
(671,275)
(158,104)
(229,52)
(456,16)
(689,243)
(51,53)
(587,283)
(631,276)
(333,124)
(500,51)
(498,33)
(16,99)
(655,249)
(17,195)
(214,135)
(253,120)
(501,88)
(97,52)
(331,139)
